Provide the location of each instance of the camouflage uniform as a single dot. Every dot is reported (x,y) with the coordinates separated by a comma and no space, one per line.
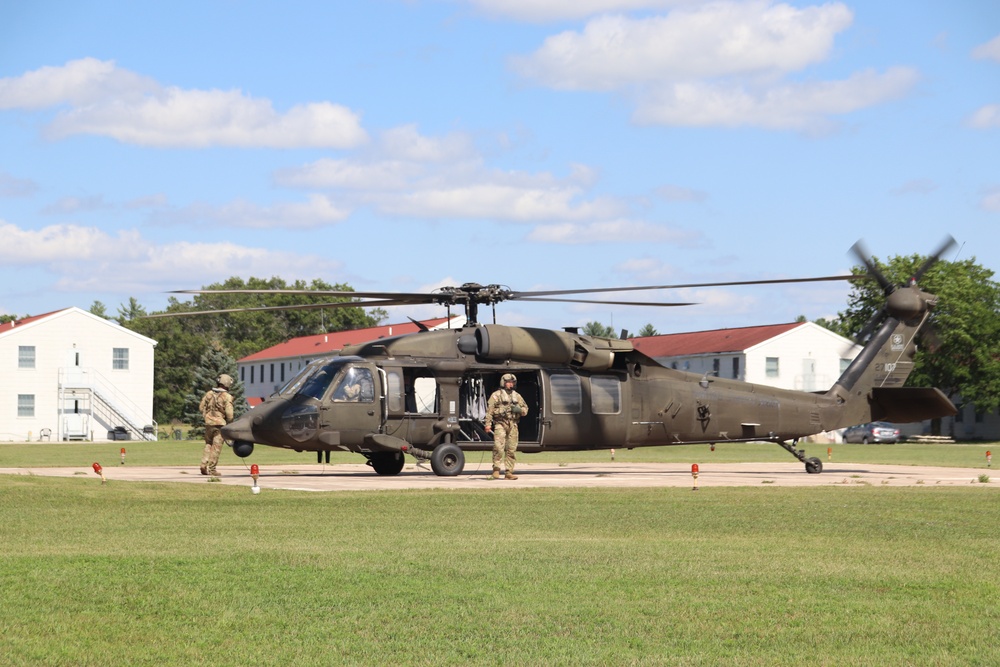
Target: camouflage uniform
(217,408)
(503,411)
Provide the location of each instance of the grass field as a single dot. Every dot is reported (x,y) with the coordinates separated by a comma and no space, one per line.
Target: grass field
(181,574)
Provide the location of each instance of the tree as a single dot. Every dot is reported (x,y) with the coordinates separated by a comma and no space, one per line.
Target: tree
(182,339)
(132,311)
(99,309)
(961,354)
(598,329)
(648,330)
(213,362)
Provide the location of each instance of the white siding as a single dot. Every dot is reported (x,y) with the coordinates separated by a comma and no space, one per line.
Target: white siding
(62,340)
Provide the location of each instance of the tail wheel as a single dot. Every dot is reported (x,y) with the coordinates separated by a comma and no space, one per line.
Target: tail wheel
(447,460)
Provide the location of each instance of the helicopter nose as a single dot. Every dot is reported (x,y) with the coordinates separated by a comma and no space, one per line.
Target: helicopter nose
(239,429)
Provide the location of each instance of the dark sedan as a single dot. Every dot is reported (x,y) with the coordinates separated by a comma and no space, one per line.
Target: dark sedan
(877,432)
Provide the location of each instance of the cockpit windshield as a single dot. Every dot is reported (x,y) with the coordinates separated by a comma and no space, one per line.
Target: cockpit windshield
(319,382)
(292,386)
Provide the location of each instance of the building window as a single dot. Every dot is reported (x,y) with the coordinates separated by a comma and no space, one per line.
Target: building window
(715,367)
(243,374)
(119,359)
(283,373)
(272,373)
(25,405)
(251,375)
(736,368)
(771,367)
(25,356)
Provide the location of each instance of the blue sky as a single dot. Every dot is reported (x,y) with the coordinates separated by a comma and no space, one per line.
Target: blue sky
(406,145)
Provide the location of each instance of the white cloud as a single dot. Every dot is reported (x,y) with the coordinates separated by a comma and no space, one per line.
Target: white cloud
(799,106)
(716,64)
(919,186)
(991,200)
(11,186)
(988,51)
(556,10)
(106,100)
(625,231)
(88,259)
(413,176)
(676,193)
(986,118)
(718,39)
(318,211)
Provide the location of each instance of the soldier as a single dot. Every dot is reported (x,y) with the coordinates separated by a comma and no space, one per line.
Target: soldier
(503,411)
(217,408)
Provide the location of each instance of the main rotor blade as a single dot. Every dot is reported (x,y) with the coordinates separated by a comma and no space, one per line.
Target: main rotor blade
(304,306)
(735,283)
(612,303)
(402,297)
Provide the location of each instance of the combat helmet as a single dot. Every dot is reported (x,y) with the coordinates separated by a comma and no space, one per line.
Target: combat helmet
(508,377)
(225,381)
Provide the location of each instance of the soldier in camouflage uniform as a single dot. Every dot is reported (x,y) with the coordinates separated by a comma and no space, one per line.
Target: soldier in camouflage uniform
(217,408)
(503,411)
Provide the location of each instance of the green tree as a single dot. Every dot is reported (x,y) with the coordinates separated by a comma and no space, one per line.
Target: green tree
(99,309)
(214,362)
(182,339)
(961,353)
(132,311)
(648,330)
(598,329)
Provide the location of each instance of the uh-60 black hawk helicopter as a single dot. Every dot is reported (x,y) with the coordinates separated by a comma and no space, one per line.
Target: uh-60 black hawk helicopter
(583,392)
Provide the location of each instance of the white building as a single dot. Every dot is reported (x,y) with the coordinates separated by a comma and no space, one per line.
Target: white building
(799,355)
(71,375)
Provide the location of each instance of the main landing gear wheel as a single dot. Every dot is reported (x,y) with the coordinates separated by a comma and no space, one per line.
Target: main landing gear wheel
(387,463)
(814,466)
(447,460)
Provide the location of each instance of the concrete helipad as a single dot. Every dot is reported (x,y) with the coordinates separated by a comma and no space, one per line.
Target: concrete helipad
(317,477)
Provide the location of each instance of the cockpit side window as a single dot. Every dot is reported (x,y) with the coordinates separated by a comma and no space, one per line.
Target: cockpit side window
(356,386)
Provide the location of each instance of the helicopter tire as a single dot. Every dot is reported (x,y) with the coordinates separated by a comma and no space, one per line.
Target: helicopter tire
(814,466)
(447,460)
(387,463)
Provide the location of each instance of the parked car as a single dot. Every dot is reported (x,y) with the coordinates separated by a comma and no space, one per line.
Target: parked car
(877,432)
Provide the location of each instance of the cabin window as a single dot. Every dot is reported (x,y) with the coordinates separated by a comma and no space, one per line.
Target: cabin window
(771,367)
(605,395)
(567,398)
(844,363)
(395,390)
(25,356)
(25,405)
(119,358)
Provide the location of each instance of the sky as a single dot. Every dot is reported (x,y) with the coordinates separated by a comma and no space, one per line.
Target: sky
(406,145)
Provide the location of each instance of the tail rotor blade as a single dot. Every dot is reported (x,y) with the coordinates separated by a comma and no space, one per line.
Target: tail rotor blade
(862,254)
(946,245)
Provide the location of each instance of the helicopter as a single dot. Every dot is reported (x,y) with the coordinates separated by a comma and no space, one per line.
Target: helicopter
(423,394)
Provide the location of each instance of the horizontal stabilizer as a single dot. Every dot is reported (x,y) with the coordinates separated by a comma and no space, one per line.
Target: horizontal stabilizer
(909,404)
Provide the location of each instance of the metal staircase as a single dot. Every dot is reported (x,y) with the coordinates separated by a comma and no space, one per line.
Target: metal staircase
(95,399)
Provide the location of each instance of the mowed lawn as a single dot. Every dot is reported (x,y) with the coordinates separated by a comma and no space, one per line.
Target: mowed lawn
(203,574)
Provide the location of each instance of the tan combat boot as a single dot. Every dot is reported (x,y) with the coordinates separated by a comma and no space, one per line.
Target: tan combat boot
(510,475)
(496,473)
